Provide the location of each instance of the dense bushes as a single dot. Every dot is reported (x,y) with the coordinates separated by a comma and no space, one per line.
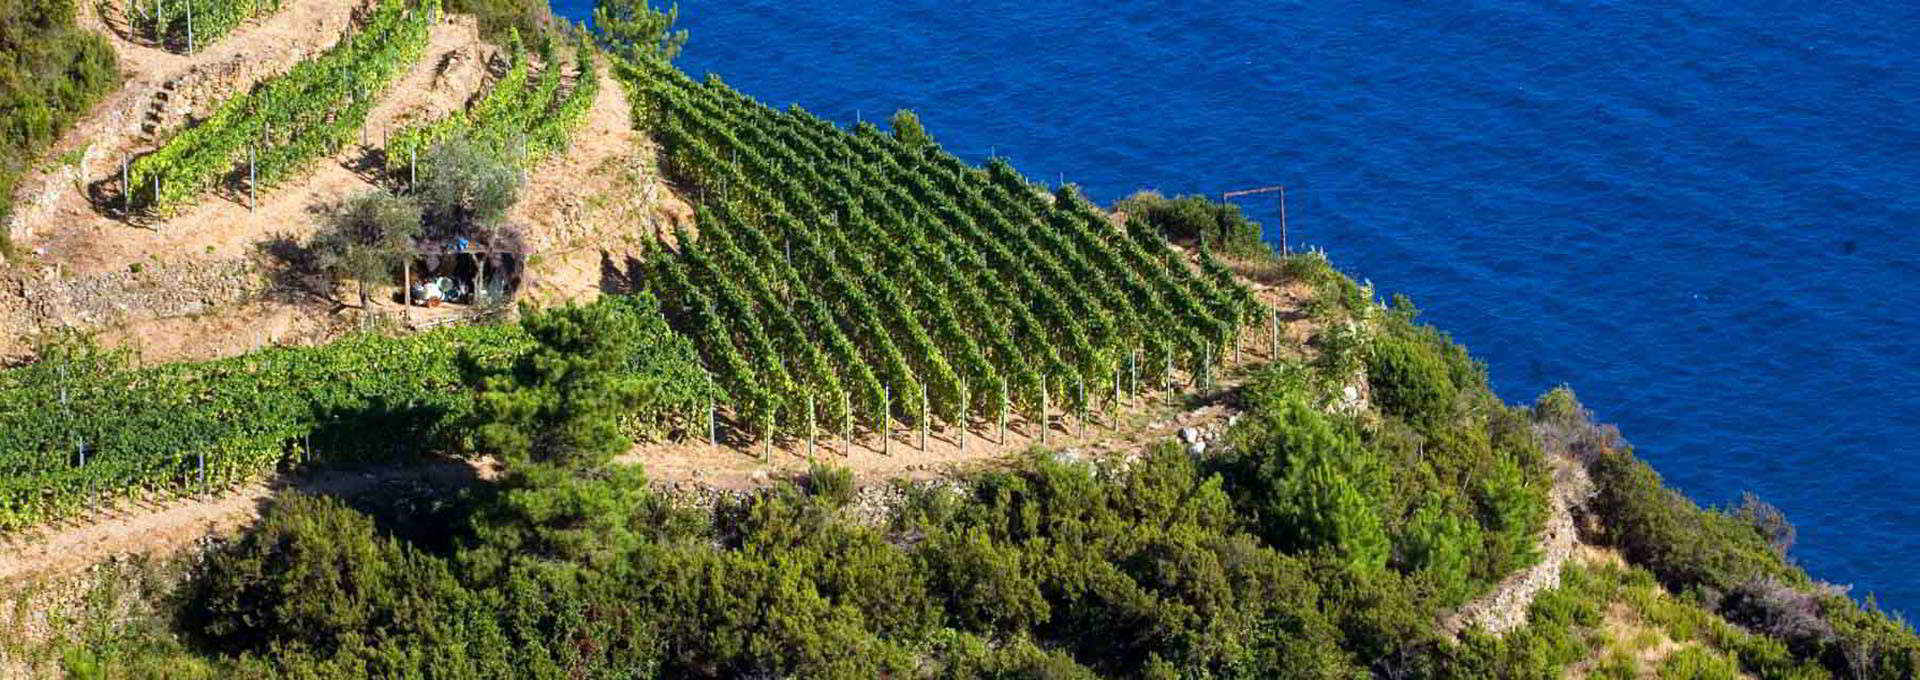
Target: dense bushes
(1293,552)
(1323,542)
(1325,545)
(50,73)
(1195,220)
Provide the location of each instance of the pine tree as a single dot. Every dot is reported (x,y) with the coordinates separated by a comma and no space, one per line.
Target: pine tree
(561,403)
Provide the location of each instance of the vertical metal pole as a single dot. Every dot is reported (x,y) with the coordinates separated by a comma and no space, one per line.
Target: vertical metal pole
(64,411)
(810,426)
(846,420)
(1113,407)
(253,178)
(1043,412)
(713,431)
(413,167)
(1284,248)
(189,26)
(766,441)
(1168,378)
(923,416)
(126,188)
(1080,402)
(886,421)
(1003,414)
(1273,335)
(1133,371)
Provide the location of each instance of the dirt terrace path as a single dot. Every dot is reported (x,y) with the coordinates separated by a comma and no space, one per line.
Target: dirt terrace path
(166,528)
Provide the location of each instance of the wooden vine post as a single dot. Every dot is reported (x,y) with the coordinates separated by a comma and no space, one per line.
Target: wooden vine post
(923,416)
(885,425)
(810,429)
(126,188)
(846,421)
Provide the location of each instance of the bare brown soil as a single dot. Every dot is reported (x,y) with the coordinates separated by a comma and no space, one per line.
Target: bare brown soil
(595,204)
(227,332)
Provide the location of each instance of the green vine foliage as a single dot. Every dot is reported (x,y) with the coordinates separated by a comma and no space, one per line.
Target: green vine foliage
(973,287)
(532,112)
(288,121)
(166,21)
(194,427)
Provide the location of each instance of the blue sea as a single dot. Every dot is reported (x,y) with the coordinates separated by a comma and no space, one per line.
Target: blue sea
(1702,215)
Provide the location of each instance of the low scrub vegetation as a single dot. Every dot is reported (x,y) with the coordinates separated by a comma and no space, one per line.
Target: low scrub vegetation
(51,72)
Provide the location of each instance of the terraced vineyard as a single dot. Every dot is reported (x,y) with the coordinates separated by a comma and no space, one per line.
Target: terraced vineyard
(192,24)
(521,107)
(78,429)
(851,276)
(286,123)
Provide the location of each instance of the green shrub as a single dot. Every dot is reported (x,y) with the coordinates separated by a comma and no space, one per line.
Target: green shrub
(502,18)
(1196,219)
(1694,663)
(51,72)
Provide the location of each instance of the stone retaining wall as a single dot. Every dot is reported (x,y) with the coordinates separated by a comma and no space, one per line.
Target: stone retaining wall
(33,303)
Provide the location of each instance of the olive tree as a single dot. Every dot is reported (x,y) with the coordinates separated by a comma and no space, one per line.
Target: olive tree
(367,238)
(467,185)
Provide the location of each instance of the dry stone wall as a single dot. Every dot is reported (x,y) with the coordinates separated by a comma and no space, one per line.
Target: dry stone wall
(32,303)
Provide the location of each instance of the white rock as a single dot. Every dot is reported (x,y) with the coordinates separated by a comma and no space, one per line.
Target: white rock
(1189,435)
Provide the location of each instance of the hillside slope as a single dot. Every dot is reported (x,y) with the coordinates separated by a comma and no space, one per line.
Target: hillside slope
(884,414)
(195,285)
